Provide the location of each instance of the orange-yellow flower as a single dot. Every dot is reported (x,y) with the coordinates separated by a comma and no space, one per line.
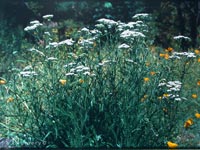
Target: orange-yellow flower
(146,79)
(81,81)
(162,55)
(172,145)
(198,83)
(196,51)
(194,96)
(2,81)
(10,99)
(188,123)
(169,49)
(144,97)
(198,60)
(62,81)
(197,115)
(166,95)
(166,56)
(152,73)
(147,64)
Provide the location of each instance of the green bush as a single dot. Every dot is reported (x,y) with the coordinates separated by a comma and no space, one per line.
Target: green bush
(106,87)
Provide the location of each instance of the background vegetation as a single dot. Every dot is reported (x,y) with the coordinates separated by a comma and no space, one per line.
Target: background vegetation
(76,80)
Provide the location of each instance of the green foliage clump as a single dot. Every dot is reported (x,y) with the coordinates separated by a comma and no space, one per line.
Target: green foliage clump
(101,87)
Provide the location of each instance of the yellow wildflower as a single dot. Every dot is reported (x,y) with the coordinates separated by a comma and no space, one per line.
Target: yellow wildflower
(197,115)
(144,97)
(55,30)
(198,83)
(63,81)
(172,145)
(152,73)
(198,60)
(166,56)
(196,51)
(166,95)
(146,79)
(162,55)
(160,97)
(169,49)
(81,81)
(147,64)
(10,99)
(188,123)
(2,81)
(194,96)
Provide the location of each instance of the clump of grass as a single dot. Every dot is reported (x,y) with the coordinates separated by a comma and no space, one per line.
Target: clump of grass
(105,87)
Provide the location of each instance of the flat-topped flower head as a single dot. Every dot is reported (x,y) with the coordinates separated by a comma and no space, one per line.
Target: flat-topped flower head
(107,22)
(179,37)
(131,34)
(172,144)
(47,16)
(140,16)
(123,46)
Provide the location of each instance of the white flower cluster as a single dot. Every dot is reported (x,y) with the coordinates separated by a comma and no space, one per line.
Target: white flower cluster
(123,46)
(179,37)
(178,55)
(172,87)
(86,42)
(37,51)
(47,16)
(140,16)
(131,34)
(34,24)
(68,42)
(135,26)
(27,73)
(75,70)
(107,22)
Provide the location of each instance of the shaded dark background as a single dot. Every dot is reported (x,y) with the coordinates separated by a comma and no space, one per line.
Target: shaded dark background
(173,17)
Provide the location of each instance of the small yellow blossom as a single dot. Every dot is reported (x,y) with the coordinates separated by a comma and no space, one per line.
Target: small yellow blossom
(197,115)
(63,81)
(166,95)
(188,123)
(166,56)
(147,64)
(10,99)
(198,60)
(172,145)
(160,97)
(2,81)
(144,97)
(162,55)
(146,79)
(152,73)
(198,83)
(169,49)
(194,96)
(196,51)
(55,30)
(81,81)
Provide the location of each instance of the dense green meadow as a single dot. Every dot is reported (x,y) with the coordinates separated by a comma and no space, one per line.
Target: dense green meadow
(101,86)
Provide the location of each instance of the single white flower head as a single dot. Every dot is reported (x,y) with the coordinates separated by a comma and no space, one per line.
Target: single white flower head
(47,16)
(107,21)
(131,34)
(142,15)
(123,46)
(179,37)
